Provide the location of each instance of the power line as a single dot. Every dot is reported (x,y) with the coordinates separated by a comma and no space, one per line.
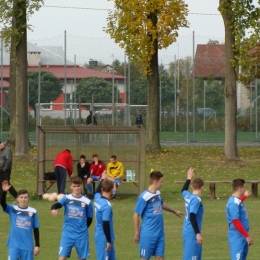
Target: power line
(103,9)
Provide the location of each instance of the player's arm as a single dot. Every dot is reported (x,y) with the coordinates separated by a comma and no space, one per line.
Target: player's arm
(121,171)
(238,225)
(36,233)
(190,175)
(169,209)
(5,187)
(54,209)
(136,227)
(246,195)
(194,224)
(107,232)
(89,221)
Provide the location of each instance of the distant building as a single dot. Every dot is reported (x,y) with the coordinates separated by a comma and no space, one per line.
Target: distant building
(210,62)
(52,60)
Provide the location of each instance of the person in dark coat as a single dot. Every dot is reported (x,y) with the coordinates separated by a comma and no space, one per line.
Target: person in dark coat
(91,119)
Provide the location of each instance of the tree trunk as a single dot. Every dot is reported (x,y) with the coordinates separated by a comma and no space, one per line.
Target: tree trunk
(12,92)
(153,140)
(230,89)
(22,138)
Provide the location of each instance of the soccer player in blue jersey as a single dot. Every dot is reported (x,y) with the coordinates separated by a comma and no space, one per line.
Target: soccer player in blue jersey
(24,222)
(104,231)
(150,206)
(191,233)
(237,218)
(77,218)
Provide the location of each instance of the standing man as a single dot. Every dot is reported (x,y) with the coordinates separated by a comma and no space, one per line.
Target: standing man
(237,218)
(191,232)
(139,118)
(6,167)
(104,230)
(62,164)
(97,168)
(150,207)
(78,215)
(115,170)
(91,119)
(24,224)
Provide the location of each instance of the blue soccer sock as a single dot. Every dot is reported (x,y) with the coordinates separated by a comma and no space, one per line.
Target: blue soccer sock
(90,188)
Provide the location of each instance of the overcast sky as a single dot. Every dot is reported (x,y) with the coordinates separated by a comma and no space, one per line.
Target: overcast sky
(51,20)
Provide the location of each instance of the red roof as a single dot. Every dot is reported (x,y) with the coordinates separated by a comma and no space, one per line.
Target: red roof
(80,72)
(210,61)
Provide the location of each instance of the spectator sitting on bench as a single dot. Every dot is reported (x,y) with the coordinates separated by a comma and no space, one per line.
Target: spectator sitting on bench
(115,169)
(83,168)
(96,169)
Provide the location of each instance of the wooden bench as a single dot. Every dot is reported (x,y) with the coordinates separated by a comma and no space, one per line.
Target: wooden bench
(47,184)
(212,187)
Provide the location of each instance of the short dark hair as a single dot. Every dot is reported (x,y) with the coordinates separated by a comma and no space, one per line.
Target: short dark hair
(107,185)
(113,157)
(67,150)
(197,184)
(76,180)
(237,183)
(82,156)
(155,176)
(94,155)
(22,192)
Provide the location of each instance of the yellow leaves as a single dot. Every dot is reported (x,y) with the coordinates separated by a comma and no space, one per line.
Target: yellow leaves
(142,26)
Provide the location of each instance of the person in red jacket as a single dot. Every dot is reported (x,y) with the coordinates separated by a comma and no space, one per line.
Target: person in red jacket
(62,163)
(96,170)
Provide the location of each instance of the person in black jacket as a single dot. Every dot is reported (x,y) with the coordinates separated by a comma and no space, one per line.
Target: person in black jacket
(139,118)
(83,168)
(91,119)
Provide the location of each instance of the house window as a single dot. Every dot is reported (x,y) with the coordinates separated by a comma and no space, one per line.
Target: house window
(46,106)
(67,100)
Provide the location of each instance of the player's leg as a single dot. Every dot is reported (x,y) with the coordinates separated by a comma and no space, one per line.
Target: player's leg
(191,249)
(237,249)
(89,185)
(82,248)
(14,253)
(245,251)
(146,247)
(57,176)
(63,175)
(116,184)
(65,248)
(159,248)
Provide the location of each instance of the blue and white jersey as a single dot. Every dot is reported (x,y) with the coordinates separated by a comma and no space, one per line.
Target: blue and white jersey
(194,205)
(23,221)
(76,211)
(103,212)
(236,210)
(149,207)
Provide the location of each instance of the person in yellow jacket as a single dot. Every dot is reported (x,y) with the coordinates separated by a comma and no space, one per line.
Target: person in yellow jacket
(115,169)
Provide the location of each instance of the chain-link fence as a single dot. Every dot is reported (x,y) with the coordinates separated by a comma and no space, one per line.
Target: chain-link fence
(192,80)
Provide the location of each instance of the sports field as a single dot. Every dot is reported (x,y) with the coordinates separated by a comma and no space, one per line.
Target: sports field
(173,162)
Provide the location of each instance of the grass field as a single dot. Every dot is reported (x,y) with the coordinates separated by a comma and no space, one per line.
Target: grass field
(173,162)
(182,136)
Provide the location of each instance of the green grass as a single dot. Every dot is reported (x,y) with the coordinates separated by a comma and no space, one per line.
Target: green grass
(173,162)
(182,136)
(207,136)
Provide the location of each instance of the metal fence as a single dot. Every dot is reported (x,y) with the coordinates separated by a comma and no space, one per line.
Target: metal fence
(192,100)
